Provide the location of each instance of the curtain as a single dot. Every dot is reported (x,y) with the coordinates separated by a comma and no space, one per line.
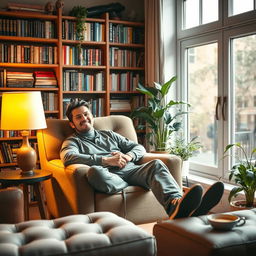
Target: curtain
(154,56)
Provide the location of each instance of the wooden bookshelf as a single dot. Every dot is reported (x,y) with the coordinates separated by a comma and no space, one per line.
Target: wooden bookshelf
(101,38)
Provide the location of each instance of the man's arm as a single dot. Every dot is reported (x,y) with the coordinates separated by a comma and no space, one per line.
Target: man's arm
(70,154)
(133,151)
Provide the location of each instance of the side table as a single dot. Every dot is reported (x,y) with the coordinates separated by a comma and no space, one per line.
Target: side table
(14,178)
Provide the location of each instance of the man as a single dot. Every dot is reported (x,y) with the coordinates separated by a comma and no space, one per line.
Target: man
(112,160)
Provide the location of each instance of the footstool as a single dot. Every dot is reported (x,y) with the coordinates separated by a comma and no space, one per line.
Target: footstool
(195,236)
(99,233)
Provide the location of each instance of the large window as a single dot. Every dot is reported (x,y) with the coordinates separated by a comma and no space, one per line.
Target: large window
(217,73)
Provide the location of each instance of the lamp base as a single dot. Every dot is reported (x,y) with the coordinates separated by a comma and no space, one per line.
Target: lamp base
(26,156)
(27,173)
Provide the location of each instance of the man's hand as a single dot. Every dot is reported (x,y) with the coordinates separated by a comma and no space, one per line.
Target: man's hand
(117,159)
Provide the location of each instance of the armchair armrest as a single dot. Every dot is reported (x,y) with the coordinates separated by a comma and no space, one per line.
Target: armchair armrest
(11,205)
(173,163)
(68,191)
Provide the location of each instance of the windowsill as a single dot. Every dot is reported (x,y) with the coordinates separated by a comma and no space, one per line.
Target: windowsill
(206,181)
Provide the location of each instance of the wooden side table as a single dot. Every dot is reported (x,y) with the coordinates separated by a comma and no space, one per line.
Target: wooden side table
(14,178)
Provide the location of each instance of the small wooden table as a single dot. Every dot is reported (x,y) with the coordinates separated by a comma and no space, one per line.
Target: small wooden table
(14,178)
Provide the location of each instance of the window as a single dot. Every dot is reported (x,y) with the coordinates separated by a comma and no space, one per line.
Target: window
(218,78)
(198,12)
(202,78)
(241,6)
(243,56)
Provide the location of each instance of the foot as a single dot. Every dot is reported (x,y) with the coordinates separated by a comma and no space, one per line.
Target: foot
(211,198)
(188,203)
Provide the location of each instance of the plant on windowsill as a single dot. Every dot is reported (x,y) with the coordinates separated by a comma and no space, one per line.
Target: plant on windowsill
(185,149)
(158,115)
(244,175)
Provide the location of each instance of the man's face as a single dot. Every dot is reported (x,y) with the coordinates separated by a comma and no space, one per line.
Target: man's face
(82,119)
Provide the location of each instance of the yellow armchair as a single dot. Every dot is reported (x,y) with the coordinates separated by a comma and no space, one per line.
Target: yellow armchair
(69,192)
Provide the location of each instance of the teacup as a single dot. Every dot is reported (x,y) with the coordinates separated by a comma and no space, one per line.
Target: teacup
(225,221)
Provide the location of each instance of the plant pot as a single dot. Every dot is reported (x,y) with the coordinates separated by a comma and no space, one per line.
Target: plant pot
(240,205)
(185,168)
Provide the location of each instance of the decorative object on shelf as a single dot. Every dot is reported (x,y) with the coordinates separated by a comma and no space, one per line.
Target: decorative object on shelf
(185,149)
(80,13)
(157,114)
(244,174)
(114,10)
(59,4)
(23,111)
(49,8)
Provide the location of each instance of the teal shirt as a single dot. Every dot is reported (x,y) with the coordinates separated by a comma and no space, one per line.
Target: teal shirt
(89,148)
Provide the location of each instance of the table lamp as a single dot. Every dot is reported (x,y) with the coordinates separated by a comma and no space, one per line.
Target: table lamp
(23,111)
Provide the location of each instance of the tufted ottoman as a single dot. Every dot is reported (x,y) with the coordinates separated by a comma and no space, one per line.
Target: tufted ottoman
(99,233)
(195,236)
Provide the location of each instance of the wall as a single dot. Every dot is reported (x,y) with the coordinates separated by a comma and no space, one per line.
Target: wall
(132,7)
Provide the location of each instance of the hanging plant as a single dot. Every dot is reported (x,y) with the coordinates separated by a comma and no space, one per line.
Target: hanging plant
(80,13)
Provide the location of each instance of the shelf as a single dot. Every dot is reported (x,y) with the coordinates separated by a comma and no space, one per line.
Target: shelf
(28,65)
(91,43)
(124,92)
(27,89)
(24,14)
(16,138)
(84,92)
(126,45)
(30,39)
(129,23)
(120,111)
(87,19)
(83,67)
(126,68)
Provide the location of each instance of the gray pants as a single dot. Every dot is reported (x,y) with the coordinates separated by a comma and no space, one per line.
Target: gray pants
(153,175)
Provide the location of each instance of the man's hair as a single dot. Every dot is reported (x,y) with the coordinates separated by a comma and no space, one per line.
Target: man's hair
(75,103)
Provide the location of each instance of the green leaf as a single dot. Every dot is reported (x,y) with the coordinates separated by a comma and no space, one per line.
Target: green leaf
(165,88)
(234,192)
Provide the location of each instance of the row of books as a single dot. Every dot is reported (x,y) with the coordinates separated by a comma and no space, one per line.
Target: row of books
(13,53)
(14,133)
(120,104)
(126,104)
(73,80)
(50,101)
(27,28)
(94,31)
(19,79)
(96,106)
(72,55)
(45,79)
(8,152)
(125,58)
(127,81)
(40,79)
(119,33)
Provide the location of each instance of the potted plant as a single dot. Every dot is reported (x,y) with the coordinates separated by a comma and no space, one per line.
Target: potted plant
(157,114)
(185,149)
(80,13)
(244,175)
